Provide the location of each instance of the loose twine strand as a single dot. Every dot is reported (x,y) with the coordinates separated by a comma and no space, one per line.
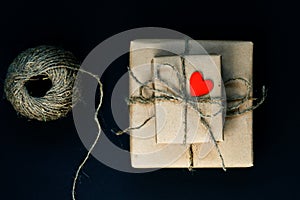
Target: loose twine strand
(95,119)
(98,127)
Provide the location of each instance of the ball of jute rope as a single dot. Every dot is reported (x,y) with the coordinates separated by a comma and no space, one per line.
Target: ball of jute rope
(52,64)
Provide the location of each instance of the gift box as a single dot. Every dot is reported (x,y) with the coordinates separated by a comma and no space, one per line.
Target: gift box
(169,139)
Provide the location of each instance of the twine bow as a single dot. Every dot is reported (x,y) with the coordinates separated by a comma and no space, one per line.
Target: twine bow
(180,95)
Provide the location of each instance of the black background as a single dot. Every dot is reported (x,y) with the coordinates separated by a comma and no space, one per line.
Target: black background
(39,160)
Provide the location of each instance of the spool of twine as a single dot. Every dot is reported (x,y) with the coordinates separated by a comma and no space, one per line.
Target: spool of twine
(50,70)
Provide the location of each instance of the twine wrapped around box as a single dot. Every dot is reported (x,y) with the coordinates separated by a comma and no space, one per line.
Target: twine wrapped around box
(174,95)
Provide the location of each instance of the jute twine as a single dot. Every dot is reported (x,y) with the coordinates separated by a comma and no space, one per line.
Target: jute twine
(52,63)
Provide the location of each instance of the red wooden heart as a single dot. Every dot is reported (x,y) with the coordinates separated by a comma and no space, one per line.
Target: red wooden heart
(199,86)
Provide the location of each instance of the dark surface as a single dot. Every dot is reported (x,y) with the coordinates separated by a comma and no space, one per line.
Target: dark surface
(38,160)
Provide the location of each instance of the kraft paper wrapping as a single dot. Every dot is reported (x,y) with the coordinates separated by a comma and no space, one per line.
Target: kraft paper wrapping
(237,146)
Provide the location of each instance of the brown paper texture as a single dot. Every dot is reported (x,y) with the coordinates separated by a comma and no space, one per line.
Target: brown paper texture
(237,145)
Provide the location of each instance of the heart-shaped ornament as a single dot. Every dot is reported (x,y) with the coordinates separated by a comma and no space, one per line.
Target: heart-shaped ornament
(199,86)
